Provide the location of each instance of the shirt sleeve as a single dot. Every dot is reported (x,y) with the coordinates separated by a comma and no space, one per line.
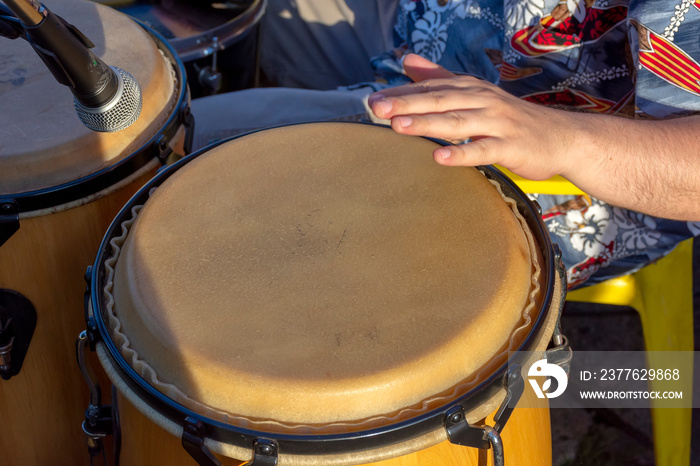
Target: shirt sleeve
(664,42)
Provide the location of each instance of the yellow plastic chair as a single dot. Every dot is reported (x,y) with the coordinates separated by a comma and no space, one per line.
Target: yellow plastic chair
(662,293)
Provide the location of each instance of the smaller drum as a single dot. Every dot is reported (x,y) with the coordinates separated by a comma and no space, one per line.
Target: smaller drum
(325,292)
(218,41)
(61,185)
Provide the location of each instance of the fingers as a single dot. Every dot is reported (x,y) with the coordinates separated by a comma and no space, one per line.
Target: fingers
(494,150)
(432,101)
(502,128)
(482,151)
(452,125)
(425,87)
(436,90)
(420,69)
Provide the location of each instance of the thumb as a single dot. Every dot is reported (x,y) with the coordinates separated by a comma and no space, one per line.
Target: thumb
(419,69)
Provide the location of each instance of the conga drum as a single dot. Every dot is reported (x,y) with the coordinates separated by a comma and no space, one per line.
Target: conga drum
(61,185)
(325,294)
(217,41)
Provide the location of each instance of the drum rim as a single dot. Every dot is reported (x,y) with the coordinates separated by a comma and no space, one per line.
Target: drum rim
(71,191)
(228,33)
(315,444)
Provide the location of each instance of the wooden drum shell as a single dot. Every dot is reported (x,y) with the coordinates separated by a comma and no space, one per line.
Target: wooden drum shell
(43,407)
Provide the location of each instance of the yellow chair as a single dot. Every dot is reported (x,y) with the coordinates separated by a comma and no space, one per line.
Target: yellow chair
(662,293)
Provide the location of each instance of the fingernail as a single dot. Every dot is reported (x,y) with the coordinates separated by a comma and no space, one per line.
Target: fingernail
(404,121)
(444,153)
(384,106)
(374,97)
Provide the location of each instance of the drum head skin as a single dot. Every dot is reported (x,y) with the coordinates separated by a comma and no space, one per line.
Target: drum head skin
(324,274)
(42,141)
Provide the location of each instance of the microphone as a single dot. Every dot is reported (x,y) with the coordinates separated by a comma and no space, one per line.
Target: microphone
(106,98)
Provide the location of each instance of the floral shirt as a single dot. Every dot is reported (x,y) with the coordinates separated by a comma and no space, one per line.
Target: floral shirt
(633,57)
(608,56)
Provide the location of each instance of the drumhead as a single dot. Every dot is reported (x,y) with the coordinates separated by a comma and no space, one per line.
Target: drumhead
(44,144)
(321,278)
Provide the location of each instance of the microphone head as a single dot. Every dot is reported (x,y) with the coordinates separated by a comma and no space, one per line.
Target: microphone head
(117,114)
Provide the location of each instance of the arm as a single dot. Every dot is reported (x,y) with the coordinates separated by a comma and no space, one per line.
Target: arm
(648,166)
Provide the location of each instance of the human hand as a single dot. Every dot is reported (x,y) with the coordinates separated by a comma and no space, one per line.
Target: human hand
(528,139)
(648,166)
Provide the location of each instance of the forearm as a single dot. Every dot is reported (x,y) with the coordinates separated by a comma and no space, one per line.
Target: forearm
(648,166)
